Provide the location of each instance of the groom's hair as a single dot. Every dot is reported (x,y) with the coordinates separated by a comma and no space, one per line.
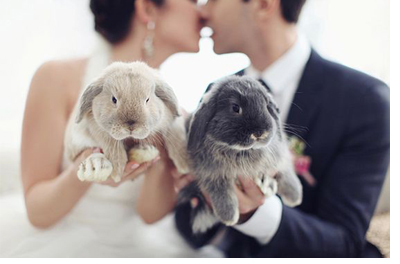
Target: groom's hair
(112,18)
(290,9)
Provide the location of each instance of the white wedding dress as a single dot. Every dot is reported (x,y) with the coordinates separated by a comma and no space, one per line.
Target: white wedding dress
(103,224)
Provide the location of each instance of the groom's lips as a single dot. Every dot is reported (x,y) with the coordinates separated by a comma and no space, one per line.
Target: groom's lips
(213,33)
(212,36)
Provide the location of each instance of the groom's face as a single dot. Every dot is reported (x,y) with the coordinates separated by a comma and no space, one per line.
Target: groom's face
(230,21)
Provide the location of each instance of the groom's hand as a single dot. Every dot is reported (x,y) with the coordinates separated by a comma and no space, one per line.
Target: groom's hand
(249,194)
(250,198)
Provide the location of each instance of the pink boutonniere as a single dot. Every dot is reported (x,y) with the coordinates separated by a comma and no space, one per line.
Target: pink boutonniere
(301,162)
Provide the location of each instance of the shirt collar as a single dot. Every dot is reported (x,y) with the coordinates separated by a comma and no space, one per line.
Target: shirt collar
(287,69)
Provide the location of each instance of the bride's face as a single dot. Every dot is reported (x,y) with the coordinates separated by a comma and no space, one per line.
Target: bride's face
(178,26)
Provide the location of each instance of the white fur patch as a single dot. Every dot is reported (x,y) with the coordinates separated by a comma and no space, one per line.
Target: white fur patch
(96,168)
(143,154)
(268,186)
(203,221)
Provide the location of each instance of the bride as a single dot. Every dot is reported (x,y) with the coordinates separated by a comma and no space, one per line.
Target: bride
(80,219)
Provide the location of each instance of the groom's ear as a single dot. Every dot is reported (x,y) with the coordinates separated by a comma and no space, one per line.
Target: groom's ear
(266,9)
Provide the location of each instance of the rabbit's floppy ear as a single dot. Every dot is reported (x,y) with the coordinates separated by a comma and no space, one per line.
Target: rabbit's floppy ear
(271,105)
(273,109)
(87,97)
(167,95)
(200,119)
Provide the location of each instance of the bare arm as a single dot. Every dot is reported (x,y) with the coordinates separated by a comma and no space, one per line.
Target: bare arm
(160,187)
(157,196)
(49,193)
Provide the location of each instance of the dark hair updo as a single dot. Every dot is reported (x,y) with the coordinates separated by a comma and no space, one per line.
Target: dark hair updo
(112,18)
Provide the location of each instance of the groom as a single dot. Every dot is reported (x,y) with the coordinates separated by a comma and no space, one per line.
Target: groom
(339,131)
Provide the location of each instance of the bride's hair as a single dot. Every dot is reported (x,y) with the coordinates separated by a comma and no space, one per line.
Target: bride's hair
(112,18)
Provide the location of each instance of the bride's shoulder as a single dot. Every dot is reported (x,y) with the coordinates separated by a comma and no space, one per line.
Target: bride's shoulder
(59,79)
(60,73)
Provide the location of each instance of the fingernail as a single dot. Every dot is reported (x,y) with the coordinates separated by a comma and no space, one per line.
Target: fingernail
(135,166)
(96,150)
(155,160)
(248,182)
(194,202)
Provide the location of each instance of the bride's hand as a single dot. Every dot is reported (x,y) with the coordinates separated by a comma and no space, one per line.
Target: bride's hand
(181,180)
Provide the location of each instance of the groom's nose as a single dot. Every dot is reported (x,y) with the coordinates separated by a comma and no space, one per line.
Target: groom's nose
(204,12)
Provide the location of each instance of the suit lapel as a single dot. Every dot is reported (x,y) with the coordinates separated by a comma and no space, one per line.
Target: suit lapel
(240,73)
(307,99)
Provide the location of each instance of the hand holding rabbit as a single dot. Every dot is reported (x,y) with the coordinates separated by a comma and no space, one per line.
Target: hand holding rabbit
(236,131)
(128,106)
(249,194)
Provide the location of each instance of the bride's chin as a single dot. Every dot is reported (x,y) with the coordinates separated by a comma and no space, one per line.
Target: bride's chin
(191,47)
(197,49)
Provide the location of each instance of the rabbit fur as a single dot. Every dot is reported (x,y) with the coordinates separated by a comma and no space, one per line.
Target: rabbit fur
(128,105)
(236,130)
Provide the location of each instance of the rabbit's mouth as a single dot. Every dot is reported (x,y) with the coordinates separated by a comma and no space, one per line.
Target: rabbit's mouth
(259,136)
(138,133)
(237,146)
(130,143)
(252,141)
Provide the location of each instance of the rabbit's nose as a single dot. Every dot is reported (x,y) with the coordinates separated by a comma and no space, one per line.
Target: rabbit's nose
(130,122)
(259,135)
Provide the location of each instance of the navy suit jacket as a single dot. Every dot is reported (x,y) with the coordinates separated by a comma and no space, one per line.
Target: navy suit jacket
(343,115)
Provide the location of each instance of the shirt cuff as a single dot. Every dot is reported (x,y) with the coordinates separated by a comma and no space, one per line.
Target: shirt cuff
(264,223)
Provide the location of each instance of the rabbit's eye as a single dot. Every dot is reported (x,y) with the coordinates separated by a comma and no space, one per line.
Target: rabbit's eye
(236,108)
(147,100)
(114,100)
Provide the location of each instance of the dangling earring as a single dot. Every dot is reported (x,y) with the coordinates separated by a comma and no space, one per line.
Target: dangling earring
(148,42)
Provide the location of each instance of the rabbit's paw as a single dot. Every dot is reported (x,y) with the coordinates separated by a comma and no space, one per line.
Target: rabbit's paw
(230,218)
(96,168)
(143,154)
(181,165)
(227,212)
(116,178)
(267,185)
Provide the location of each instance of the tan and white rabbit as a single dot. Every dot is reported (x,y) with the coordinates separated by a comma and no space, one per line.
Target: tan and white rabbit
(127,106)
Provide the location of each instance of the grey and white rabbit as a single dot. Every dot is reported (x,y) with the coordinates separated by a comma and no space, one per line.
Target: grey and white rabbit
(127,106)
(236,130)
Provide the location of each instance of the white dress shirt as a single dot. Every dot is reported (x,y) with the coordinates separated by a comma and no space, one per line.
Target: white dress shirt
(282,77)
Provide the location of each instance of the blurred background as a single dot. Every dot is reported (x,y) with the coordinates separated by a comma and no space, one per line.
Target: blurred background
(353,32)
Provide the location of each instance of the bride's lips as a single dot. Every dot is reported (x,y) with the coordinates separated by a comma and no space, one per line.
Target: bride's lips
(199,27)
